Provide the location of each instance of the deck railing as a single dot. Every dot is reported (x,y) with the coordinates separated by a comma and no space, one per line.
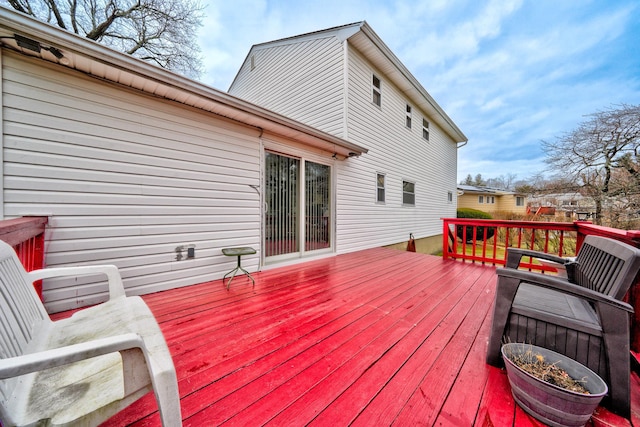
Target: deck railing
(485,241)
(26,235)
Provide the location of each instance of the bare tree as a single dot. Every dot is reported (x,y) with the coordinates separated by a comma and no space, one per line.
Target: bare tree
(467,181)
(601,158)
(502,182)
(159,31)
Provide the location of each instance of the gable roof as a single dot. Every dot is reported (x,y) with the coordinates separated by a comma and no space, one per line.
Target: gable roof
(70,50)
(366,41)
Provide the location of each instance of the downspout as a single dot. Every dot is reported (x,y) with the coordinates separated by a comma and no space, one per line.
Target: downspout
(345,135)
(345,89)
(261,199)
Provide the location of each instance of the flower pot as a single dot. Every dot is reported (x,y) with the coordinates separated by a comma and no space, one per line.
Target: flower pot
(549,403)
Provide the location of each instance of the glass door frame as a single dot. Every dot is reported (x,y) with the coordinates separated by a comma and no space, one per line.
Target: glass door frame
(301,208)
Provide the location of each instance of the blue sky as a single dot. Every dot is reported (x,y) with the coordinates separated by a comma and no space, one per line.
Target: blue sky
(510,73)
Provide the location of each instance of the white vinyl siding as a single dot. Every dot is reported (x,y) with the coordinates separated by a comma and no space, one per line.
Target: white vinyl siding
(403,155)
(125,179)
(301,80)
(399,151)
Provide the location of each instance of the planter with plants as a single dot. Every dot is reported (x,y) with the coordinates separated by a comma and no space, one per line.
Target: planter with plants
(551,387)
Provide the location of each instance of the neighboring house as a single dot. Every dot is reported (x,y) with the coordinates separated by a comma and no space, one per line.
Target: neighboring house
(491,200)
(347,82)
(573,205)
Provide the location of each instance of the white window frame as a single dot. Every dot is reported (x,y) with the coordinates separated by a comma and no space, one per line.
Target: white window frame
(425,129)
(404,193)
(481,200)
(379,188)
(519,201)
(407,121)
(376,90)
(449,197)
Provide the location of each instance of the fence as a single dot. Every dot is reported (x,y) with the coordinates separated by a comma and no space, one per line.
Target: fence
(26,235)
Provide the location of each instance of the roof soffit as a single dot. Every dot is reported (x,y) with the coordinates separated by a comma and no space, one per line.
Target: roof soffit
(367,42)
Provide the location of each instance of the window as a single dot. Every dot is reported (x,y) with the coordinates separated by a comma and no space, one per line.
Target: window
(381,188)
(425,129)
(253,63)
(491,199)
(408,193)
(449,197)
(481,199)
(408,119)
(519,201)
(377,91)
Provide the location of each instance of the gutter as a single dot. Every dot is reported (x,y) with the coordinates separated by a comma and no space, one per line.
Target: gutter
(74,47)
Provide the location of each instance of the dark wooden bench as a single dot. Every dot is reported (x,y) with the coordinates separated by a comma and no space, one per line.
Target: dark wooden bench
(581,316)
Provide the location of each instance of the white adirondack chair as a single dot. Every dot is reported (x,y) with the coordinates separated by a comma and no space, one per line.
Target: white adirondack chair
(83,369)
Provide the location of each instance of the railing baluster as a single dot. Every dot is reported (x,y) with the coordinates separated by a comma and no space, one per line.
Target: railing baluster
(459,244)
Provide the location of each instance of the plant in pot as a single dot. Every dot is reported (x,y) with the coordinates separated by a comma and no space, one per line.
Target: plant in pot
(551,387)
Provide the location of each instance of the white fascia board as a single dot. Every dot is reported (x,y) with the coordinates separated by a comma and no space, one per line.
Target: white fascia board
(411,86)
(91,58)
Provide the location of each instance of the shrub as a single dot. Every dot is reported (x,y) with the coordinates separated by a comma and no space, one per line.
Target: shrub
(473,213)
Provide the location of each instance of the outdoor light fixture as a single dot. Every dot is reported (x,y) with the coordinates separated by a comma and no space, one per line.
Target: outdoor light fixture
(35,46)
(27,43)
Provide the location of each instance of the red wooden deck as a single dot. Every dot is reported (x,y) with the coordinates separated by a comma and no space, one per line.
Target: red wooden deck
(373,338)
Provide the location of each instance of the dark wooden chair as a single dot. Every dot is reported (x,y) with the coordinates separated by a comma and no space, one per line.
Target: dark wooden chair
(581,316)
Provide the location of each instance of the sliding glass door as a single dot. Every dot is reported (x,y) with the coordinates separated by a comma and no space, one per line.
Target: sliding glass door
(281,199)
(296,189)
(317,206)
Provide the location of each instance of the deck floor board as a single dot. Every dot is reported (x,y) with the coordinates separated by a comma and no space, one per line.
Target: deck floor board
(376,337)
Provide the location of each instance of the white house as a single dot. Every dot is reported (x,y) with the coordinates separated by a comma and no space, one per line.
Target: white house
(347,82)
(134,164)
(131,163)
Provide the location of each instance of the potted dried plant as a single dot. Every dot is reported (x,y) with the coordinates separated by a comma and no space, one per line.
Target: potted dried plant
(551,387)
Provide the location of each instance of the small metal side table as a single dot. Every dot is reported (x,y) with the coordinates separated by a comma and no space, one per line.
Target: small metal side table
(238,252)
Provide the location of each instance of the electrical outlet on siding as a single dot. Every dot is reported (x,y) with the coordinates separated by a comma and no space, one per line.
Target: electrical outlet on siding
(187,251)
